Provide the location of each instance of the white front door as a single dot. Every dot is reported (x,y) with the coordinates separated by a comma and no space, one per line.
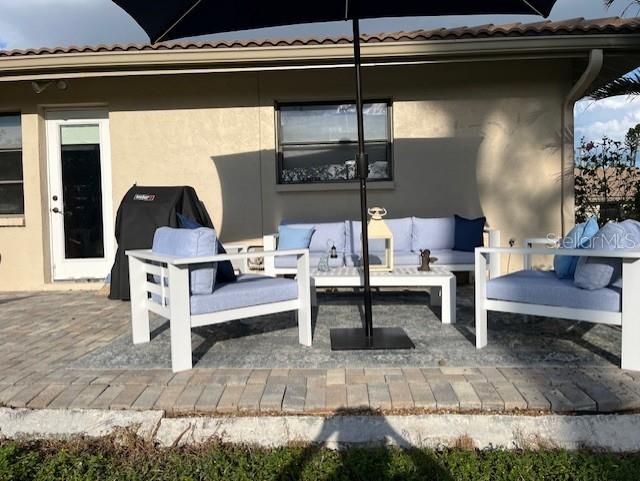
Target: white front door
(80,212)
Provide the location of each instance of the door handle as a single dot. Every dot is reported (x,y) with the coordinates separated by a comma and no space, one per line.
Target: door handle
(55,210)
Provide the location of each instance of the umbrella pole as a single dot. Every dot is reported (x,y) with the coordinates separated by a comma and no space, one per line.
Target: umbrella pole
(368,337)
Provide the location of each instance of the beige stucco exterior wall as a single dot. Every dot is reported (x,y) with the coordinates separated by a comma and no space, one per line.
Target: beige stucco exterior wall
(468,139)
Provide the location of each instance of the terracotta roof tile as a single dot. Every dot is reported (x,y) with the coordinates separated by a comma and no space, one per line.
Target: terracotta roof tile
(575,26)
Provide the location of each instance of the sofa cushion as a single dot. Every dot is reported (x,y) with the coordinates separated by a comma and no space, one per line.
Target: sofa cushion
(544,288)
(577,238)
(400,258)
(190,243)
(468,233)
(291,262)
(434,234)
(400,228)
(325,235)
(598,272)
(248,290)
(294,237)
(225,271)
(451,257)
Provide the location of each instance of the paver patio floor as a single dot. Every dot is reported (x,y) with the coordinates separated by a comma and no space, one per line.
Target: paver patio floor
(71,350)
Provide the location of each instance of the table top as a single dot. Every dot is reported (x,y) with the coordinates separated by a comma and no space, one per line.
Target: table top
(399,276)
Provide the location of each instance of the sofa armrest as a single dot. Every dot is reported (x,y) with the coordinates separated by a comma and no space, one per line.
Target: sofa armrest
(533,241)
(270,243)
(147,254)
(241,265)
(495,261)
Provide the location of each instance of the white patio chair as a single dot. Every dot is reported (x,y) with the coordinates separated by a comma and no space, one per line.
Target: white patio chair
(251,295)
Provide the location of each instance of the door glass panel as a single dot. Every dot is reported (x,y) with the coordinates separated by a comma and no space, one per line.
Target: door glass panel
(82,191)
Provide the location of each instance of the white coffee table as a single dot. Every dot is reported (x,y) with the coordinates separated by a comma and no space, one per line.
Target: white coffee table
(442,283)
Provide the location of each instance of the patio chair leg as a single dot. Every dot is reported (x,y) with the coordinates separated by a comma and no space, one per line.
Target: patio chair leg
(305,287)
(180,322)
(630,314)
(480,289)
(139,313)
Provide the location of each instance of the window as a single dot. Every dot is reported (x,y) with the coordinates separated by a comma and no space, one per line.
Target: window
(317,142)
(11,191)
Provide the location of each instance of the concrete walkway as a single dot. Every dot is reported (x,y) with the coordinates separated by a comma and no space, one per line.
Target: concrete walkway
(42,334)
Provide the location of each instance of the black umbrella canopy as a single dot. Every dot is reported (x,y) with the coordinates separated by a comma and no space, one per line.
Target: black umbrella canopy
(173,19)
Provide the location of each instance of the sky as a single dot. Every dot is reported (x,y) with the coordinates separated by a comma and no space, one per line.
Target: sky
(50,23)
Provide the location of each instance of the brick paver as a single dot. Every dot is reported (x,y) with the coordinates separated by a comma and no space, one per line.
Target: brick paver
(36,373)
(272,396)
(379,397)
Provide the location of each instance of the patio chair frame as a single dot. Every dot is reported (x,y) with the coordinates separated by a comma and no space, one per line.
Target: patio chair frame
(628,319)
(145,263)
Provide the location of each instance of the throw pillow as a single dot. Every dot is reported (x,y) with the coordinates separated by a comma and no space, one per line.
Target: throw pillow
(598,272)
(294,238)
(190,243)
(185,222)
(468,233)
(577,238)
(225,272)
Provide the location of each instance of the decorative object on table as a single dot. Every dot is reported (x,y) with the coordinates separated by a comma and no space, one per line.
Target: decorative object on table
(334,251)
(378,230)
(323,263)
(425,258)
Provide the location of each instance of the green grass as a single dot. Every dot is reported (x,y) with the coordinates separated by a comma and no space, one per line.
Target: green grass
(111,459)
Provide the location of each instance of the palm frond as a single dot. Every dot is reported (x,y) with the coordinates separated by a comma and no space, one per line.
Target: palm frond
(629,85)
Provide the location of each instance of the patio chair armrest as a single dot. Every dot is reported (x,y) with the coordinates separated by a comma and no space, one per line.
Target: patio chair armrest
(615,254)
(147,254)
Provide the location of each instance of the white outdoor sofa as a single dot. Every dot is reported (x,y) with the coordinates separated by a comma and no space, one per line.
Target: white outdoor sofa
(251,295)
(436,234)
(541,293)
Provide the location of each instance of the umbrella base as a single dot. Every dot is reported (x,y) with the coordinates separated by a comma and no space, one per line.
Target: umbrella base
(384,338)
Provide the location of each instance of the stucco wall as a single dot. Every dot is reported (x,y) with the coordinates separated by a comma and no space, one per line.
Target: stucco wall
(468,139)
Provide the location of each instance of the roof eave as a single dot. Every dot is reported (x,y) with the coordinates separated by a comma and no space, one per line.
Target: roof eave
(179,61)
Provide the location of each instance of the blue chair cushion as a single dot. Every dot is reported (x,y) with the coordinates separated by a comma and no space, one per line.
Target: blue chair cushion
(325,235)
(225,272)
(598,272)
(544,288)
(290,262)
(248,290)
(577,238)
(294,237)
(468,233)
(434,234)
(187,222)
(190,243)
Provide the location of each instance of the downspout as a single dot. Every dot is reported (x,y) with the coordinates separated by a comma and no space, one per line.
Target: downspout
(593,69)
